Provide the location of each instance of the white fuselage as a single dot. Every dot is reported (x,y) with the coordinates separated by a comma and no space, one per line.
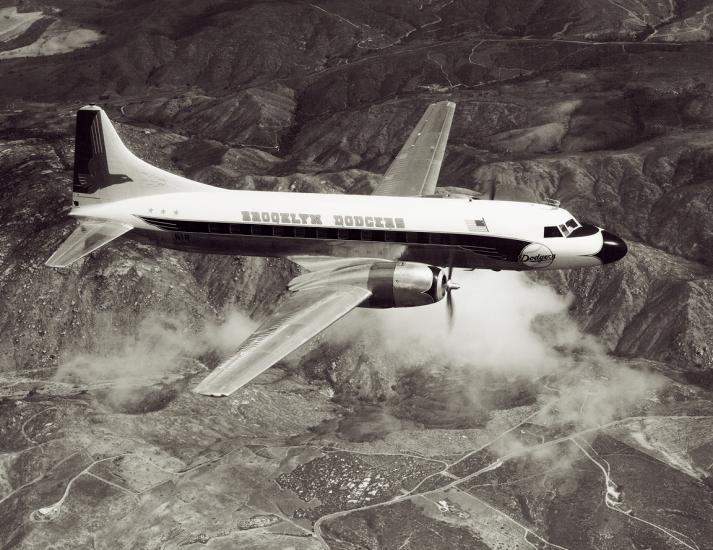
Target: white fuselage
(440,231)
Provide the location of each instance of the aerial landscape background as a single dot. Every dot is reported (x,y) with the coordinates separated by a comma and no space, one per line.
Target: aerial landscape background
(568,409)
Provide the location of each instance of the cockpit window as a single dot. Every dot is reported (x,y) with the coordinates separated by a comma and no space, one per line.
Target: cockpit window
(572,224)
(564,229)
(584,231)
(552,231)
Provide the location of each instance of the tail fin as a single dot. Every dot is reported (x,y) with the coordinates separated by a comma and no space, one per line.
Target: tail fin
(105,170)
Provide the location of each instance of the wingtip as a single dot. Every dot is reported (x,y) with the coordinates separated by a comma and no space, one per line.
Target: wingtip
(446,103)
(209,393)
(51,262)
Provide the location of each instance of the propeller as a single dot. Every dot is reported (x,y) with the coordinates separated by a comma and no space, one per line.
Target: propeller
(450,286)
(491,196)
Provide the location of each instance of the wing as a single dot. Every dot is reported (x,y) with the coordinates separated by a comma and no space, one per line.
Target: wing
(90,235)
(415,170)
(305,314)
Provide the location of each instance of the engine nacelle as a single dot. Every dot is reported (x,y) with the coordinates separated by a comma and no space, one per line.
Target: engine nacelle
(392,284)
(405,284)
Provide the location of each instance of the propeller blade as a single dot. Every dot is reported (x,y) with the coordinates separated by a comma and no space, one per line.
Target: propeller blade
(450,287)
(450,309)
(492,191)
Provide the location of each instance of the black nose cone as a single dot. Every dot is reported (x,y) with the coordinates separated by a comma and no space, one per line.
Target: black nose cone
(613,248)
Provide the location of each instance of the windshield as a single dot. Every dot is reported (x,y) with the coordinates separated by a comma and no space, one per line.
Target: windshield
(565,229)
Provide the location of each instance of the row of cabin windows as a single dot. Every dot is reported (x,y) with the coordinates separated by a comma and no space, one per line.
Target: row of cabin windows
(342,234)
(331,233)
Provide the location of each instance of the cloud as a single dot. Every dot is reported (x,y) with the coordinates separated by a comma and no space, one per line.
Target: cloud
(509,332)
(495,325)
(159,346)
(507,327)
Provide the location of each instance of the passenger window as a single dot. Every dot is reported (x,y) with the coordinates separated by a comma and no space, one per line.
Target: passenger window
(395,236)
(326,233)
(421,238)
(452,239)
(217,227)
(552,231)
(284,231)
(262,230)
(241,228)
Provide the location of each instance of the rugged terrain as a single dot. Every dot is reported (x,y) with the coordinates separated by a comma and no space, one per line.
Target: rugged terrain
(552,395)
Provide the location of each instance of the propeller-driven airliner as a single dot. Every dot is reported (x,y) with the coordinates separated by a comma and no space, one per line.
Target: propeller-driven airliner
(394,248)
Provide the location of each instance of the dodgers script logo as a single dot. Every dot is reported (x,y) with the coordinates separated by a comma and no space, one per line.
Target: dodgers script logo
(536,256)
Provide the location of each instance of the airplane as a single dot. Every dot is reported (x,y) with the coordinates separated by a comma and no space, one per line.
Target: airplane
(394,248)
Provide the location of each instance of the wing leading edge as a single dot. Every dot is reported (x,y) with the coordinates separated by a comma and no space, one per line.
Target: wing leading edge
(302,316)
(415,170)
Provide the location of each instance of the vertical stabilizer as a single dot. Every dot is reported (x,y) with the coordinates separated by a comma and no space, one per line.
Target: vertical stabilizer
(105,170)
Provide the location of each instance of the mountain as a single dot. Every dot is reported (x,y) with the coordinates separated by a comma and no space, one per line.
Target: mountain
(567,408)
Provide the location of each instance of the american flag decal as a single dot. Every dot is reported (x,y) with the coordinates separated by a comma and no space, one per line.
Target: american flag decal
(476,225)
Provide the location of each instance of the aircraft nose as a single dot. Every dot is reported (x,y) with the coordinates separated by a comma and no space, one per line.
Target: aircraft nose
(613,248)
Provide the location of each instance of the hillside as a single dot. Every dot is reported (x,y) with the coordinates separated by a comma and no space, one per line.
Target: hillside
(500,434)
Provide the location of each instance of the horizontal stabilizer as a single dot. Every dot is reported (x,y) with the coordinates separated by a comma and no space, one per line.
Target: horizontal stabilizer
(88,237)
